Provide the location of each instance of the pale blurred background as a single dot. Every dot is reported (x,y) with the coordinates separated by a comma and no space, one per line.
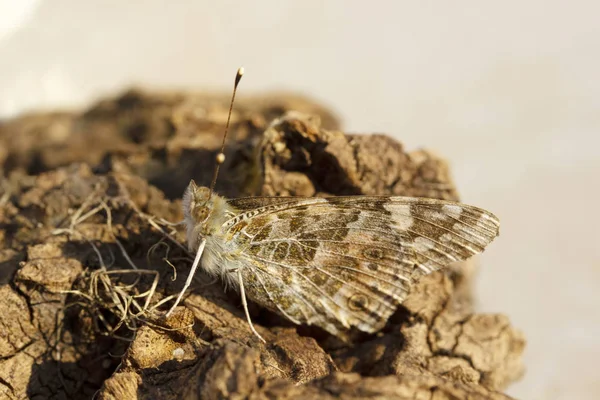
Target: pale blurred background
(509,92)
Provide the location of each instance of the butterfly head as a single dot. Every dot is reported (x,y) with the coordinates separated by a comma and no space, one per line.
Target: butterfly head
(197,204)
(203,212)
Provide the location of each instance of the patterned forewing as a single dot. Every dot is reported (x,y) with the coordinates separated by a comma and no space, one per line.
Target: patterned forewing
(349,261)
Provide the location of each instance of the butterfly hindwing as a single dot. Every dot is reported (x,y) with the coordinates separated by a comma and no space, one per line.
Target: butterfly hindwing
(349,261)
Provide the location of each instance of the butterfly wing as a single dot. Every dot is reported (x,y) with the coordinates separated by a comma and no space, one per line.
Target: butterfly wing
(341,262)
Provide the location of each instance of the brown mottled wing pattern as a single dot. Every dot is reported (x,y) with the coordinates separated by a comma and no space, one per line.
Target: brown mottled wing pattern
(349,261)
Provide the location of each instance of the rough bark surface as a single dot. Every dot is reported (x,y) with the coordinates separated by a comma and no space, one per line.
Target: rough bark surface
(86,191)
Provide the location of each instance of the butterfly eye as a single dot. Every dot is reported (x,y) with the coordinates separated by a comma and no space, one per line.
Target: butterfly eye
(201,194)
(201,213)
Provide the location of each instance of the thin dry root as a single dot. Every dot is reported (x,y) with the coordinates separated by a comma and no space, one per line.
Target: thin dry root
(107,289)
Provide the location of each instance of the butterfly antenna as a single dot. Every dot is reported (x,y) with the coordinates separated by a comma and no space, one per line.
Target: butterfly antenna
(220,158)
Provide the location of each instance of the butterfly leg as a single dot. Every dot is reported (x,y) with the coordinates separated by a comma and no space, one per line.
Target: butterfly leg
(188,282)
(245,304)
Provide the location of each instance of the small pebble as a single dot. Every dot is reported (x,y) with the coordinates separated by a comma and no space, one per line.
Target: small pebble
(178,353)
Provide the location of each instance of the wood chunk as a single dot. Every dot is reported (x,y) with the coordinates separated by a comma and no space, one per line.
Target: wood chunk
(135,153)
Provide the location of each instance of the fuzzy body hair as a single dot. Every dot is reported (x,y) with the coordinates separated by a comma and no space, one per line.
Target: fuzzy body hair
(220,257)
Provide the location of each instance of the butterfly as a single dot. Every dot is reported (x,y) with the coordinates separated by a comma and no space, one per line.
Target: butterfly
(338,262)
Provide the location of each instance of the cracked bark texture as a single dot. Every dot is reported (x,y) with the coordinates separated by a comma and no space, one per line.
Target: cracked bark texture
(138,151)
